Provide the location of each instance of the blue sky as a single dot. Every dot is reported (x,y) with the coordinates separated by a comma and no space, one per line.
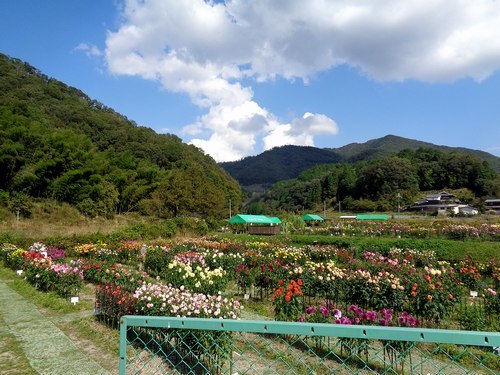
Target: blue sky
(238,77)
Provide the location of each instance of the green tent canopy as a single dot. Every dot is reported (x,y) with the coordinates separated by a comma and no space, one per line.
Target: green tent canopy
(254,219)
(275,220)
(312,217)
(371,217)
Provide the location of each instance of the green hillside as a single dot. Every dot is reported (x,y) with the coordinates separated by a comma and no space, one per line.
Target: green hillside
(391,144)
(280,163)
(376,185)
(57,143)
(287,162)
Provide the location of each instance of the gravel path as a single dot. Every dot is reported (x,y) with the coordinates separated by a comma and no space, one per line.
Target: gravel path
(47,348)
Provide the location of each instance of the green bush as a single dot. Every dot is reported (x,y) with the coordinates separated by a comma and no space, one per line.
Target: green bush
(473,318)
(156,261)
(190,225)
(4,198)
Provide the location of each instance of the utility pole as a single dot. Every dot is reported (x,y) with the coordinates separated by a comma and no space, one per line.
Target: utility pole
(324,209)
(399,206)
(230,214)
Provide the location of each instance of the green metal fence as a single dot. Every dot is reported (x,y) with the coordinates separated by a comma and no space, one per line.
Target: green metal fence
(165,345)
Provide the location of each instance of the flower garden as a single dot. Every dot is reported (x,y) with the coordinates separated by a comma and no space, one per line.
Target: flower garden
(276,278)
(438,229)
(311,283)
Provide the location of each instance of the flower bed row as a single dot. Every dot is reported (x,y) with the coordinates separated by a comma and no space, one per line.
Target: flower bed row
(430,289)
(489,232)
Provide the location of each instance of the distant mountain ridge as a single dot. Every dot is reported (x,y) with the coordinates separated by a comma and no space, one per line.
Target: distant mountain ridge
(286,162)
(391,144)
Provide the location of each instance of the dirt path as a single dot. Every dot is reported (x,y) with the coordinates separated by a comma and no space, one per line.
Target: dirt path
(47,349)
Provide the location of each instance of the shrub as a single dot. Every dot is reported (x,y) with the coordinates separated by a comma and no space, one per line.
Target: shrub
(472,318)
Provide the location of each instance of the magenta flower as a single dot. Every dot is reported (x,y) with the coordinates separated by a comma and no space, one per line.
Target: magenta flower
(310,310)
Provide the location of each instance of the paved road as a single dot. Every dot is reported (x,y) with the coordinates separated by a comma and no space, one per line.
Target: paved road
(48,350)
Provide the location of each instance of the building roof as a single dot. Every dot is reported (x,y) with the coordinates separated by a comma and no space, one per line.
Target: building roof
(371,217)
(439,196)
(275,220)
(254,219)
(312,217)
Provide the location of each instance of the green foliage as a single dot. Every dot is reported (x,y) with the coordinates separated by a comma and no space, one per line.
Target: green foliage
(375,185)
(362,205)
(164,229)
(472,318)
(185,192)
(4,198)
(274,165)
(57,143)
(21,203)
(287,162)
(386,177)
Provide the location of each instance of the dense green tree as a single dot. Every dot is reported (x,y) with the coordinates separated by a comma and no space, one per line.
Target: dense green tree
(386,177)
(347,182)
(187,192)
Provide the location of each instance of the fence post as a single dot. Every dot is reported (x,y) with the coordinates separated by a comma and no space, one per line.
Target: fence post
(123,345)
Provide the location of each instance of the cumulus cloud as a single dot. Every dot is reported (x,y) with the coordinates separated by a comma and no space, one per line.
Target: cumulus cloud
(89,49)
(207,49)
(301,131)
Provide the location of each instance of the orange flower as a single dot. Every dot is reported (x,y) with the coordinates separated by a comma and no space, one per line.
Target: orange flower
(299,281)
(429,297)
(288,297)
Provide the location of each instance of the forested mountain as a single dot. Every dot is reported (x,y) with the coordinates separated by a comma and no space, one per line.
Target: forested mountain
(375,185)
(57,143)
(288,162)
(391,144)
(280,163)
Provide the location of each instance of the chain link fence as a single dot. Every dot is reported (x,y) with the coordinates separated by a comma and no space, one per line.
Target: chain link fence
(164,345)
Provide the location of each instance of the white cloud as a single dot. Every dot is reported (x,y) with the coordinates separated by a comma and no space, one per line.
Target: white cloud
(205,49)
(301,131)
(89,49)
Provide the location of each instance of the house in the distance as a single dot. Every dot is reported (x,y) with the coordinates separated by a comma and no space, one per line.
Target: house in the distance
(492,205)
(443,203)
